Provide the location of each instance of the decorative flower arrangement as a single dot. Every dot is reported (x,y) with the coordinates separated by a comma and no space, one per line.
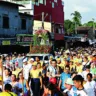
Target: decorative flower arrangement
(41,49)
(40,39)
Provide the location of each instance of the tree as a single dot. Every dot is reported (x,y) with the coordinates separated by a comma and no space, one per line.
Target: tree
(76,17)
(90,24)
(69,26)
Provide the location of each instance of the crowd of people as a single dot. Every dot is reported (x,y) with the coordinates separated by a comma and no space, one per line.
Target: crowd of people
(69,72)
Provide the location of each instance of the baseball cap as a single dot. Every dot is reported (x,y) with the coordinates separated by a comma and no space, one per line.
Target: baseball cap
(69,81)
(25,60)
(32,59)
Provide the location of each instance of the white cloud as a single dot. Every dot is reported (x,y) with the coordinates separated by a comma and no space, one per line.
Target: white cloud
(81,9)
(85,7)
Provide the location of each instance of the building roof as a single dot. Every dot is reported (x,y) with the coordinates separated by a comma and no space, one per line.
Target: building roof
(25,14)
(81,28)
(10,3)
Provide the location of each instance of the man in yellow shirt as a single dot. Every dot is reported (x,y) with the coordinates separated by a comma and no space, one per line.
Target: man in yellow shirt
(59,63)
(37,60)
(79,67)
(7,91)
(36,80)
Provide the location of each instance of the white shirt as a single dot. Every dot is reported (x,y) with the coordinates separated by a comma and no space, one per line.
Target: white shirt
(70,92)
(81,93)
(90,88)
(52,71)
(6,79)
(84,75)
(26,70)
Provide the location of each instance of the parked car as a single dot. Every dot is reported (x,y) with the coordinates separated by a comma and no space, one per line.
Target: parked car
(43,57)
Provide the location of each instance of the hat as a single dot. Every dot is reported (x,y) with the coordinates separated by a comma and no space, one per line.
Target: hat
(69,81)
(32,59)
(25,60)
(51,57)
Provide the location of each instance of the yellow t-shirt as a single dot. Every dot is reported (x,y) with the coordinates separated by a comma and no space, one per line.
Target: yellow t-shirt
(40,70)
(79,69)
(16,72)
(7,94)
(72,66)
(61,65)
(39,61)
(34,73)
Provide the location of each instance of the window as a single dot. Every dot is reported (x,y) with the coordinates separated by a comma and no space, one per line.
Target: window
(63,3)
(52,4)
(41,1)
(57,30)
(34,0)
(6,22)
(55,1)
(23,24)
(46,58)
(37,3)
(44,2)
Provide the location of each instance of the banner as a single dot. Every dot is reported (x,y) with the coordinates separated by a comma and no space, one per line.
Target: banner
(6,42)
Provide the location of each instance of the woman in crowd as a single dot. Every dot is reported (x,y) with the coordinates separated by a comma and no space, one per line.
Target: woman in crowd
(7,76)
(16,88)
(22,84)
(51,90)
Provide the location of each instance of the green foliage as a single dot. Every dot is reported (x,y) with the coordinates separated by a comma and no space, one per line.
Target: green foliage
(90,24)
(76,17)
(35,40)
(70,25)
(45,37)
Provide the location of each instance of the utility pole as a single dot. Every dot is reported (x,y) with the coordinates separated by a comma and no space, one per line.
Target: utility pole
(75,28)
(43,20)
(93,27)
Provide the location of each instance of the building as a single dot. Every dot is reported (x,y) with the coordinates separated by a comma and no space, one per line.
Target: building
(12,22)
(48,14)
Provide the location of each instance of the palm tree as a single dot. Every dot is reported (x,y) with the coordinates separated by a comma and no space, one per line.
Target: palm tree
(77,17)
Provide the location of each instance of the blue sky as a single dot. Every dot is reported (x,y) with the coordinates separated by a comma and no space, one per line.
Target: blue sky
(87,8)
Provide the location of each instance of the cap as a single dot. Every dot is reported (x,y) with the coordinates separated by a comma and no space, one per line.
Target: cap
(25,60)
(69,81)
(51,57)
(32,59)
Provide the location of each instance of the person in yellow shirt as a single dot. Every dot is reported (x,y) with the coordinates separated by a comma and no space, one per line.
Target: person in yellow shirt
(37,60)
(79,67)
(50,59)
(39,68)
(72,67)
(59,63)
(36,81)
(7,91)
(16,72)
